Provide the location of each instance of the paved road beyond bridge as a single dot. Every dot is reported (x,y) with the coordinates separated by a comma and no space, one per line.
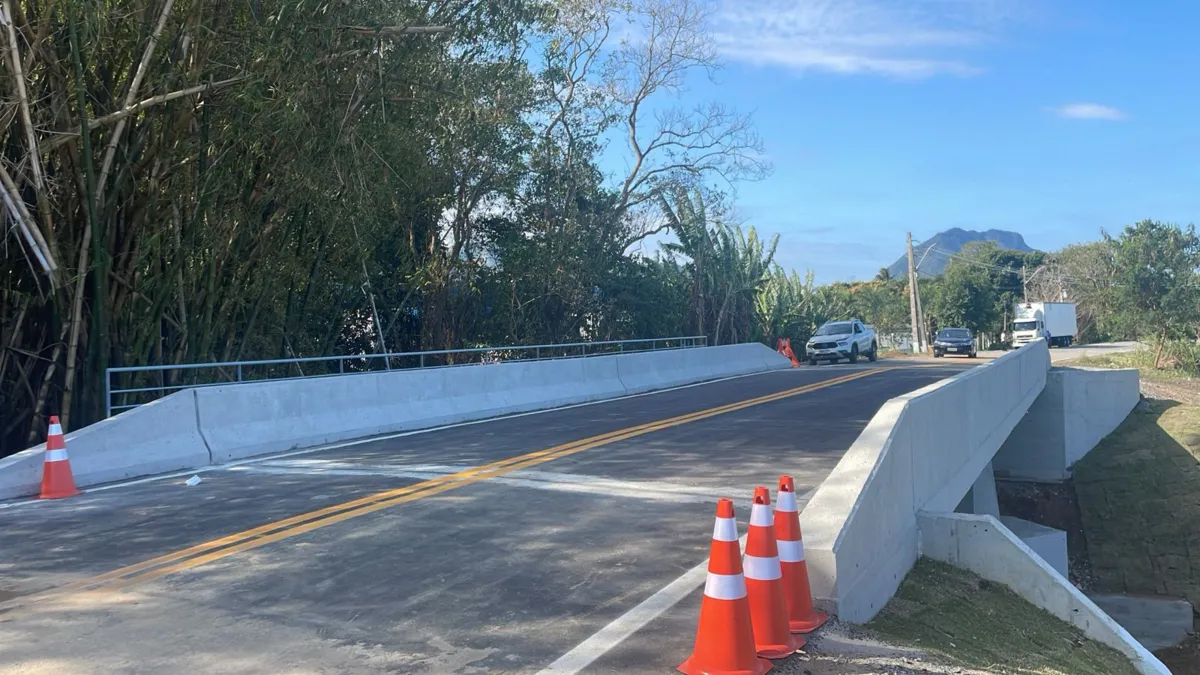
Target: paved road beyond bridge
(501,546)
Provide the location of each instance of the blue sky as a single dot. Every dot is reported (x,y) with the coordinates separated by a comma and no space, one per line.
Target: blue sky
(1052,118)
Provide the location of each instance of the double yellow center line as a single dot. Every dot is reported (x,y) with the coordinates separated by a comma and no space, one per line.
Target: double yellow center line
(224,547)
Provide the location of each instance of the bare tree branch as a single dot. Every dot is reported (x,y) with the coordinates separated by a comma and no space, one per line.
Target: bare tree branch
(672,42)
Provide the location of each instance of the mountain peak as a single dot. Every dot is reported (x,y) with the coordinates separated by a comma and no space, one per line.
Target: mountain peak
(944,244)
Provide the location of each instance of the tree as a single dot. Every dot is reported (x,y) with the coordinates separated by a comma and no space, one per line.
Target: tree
(965,296)
(1084,274)
(1155,281)
(599,87)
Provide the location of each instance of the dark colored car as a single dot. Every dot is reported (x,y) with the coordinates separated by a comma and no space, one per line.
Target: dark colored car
(954,341)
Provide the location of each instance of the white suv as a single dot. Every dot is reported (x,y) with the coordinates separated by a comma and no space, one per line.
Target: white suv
(838,340)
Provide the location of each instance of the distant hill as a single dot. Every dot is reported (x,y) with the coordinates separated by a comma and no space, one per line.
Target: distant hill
(949,242)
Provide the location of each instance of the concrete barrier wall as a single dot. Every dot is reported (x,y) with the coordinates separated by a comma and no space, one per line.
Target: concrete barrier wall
(649,371)
(245,420)
(241,421)
(219,424)
(983,546)
(1077,409)
(921,452)
(159,437)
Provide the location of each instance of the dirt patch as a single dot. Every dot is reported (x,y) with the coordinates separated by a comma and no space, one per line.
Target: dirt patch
(844,649)
(1184,391)
(1184,659)
(1053,505)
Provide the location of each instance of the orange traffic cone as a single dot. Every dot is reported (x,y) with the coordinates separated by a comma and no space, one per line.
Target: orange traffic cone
(764,584)
(784,346)
(802,618)
(724,638)
(57,481)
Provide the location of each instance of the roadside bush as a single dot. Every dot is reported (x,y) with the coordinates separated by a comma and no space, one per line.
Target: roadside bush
(1180,355)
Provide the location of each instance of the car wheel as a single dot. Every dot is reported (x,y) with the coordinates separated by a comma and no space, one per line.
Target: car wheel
(873,355)
(937,355)
(853,353)
(972,355)
(812,362)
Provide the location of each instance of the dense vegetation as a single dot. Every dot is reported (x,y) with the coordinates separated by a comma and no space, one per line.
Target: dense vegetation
(200,180)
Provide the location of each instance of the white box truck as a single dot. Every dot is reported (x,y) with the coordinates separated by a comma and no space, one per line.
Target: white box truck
(1052,320)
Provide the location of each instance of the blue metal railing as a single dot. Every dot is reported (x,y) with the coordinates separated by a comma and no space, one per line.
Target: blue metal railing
(142,384)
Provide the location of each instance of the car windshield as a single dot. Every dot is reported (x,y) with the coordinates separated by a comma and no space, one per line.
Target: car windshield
(955,334)
(835,329)
(1025,325)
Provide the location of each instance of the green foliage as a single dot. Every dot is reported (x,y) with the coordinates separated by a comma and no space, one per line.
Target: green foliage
(1155,284)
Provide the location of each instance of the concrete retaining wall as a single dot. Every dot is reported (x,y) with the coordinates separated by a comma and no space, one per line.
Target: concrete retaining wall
(1077,409)
(217,424)
(921,452)
(982,545)
(160,437)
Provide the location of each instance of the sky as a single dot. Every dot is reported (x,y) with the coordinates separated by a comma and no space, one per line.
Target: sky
(1052,118)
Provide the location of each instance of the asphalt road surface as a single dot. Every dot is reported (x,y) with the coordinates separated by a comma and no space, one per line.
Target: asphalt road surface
(571,538)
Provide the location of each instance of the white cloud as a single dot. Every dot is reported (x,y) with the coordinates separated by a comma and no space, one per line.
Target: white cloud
(1090,111)
(895,38)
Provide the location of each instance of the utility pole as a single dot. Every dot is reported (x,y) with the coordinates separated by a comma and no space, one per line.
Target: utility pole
(912,297)
(920,311)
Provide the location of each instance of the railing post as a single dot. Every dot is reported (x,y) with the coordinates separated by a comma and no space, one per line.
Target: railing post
(239,372)
(583,349)
(107,393)
(537,353)
(341,366)
(622,346)
(422,360)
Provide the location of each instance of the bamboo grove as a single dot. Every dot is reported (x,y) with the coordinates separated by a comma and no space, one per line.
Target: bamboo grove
(201,180)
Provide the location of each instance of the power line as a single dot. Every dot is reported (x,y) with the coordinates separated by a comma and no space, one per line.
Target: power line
(1012,270)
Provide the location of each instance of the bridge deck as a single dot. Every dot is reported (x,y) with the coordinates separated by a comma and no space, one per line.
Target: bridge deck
(490,547)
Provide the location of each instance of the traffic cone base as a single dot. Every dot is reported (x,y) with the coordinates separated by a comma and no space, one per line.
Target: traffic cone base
(761,666)
(771,604)
(713,651)
(57,481)
(818,619)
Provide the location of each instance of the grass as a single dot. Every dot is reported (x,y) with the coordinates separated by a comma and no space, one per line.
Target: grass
(1179,360)
(1139,498)
(972,623)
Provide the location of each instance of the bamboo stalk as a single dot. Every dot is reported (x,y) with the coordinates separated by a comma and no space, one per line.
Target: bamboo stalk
(394,31)
(98,122)
(33,236)
(89,211)
(35,162)
(44,393)
(111,152)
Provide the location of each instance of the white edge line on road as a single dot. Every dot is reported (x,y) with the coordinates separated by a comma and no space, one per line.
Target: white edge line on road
(621,628)
(414,432)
